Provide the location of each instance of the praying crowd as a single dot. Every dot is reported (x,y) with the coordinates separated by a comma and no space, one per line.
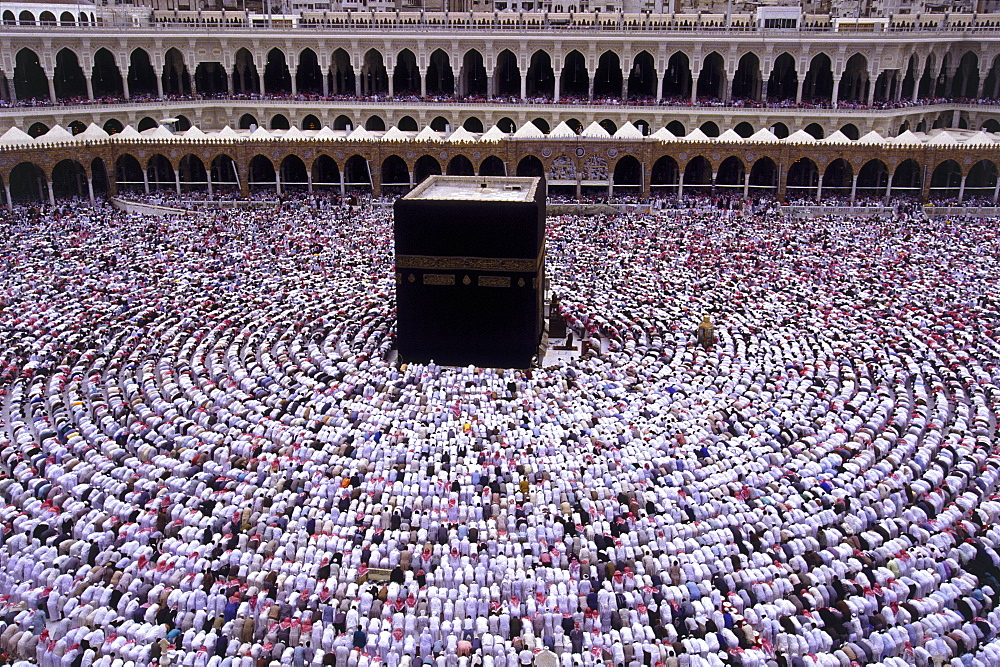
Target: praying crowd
(209,455)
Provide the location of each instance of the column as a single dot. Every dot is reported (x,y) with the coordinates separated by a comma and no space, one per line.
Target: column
(177,181)
(125,92)
(836,91)
(996,192)
(391,89)
(10,204)
(52,89)
(555,89)
(409,178)
(819,187)
(694,89)
(145,181)
(871,92)
(961,189)
(854,188)
(995,95)
(489,84)
(277,181)
(746,184)
(357,83)
(260,83)
(90,189)
(659,86)
(611,184)
(680,184)
(798,89)
(326,83)
(52,194)
(888,188)
(916,87)
(459,82)
(925,185)
(90,87)
(524,87)
(309,181)
(159,86)
(712,189)
(423,81)
(955,117)
(590,86)
(343,187)
(208,177)
(292,70)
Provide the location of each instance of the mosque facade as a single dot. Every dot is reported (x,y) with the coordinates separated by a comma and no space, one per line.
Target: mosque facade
(742,106)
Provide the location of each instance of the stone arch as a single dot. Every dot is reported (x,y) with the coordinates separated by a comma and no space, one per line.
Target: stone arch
(279,122)
(492,166)
(141,76)
(764,176)
(9,18)
(68,77)
(474,80)
(374,75)
(872,179)
(69,179)
(406,74)
(664,174)
(407,124)
(748,81)
(676,128)
(574,80)
(608,77)
(609,125)
(210,79)
(473,124)
(507,75)
(818,84)
(225,177)
(37,129)
(906,179)
(277,77)
(710,128)
(160,173)
(426,165)
(506,125)
(26,18)
(28,183)
(991,83)
(991,125)
(76,127)
(910,78)
(627,172)
(246,78)
(440,78)
(394,171)
(946,179)
(47,18)
(677,79)
(128,173)
(712,78)
(99,176)
(308,74)
(325,173)
(341,78)
(145,123)
(247,122)
(66,19)
(192,173)
(530,165)
(730,175)
(541,124)
(375,123)
(698,174)
(855,80)
(982,180)
(261,173)
(965,83)
(783,83)
(113,126)
(294,175)
(642,77)
(342,122)
(460,166)
(440,124)
(105,77)
(851,131)
(744,129)
(310,122)
(815,130)
(837,178)
(30,81)
(541,78)
(803,179)
(175,77)
(780,130)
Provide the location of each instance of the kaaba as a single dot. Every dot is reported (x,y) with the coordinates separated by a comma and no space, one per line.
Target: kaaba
(470,270)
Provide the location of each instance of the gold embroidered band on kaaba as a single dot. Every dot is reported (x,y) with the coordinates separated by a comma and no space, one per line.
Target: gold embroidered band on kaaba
(514,264)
